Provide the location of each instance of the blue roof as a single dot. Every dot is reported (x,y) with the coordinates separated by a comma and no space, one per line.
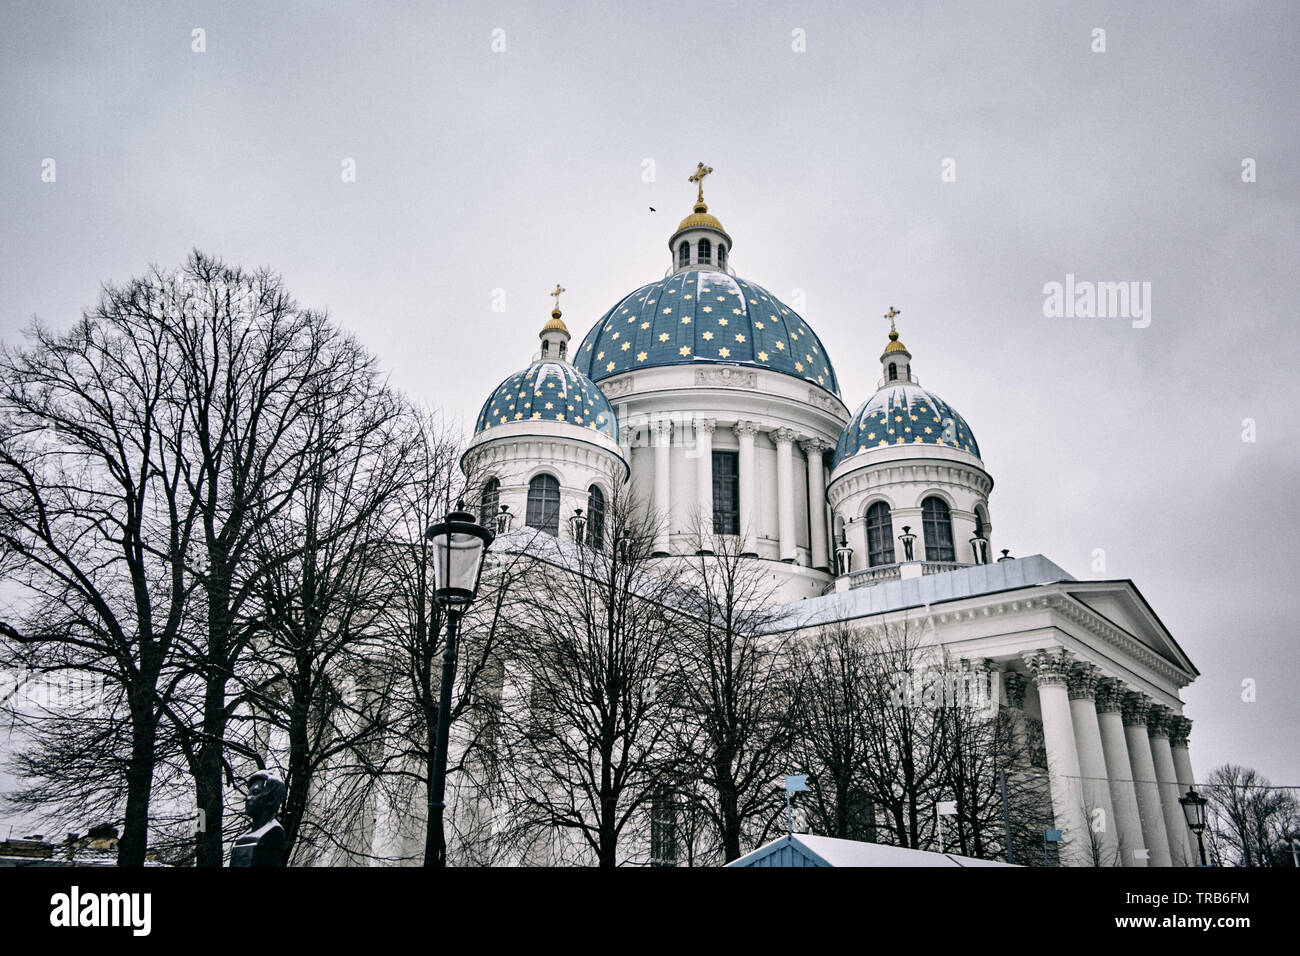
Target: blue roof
(549,392)
(904,414)
(693,318)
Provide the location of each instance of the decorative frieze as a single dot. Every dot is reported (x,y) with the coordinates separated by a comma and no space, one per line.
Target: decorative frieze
(614,388)
(732,377)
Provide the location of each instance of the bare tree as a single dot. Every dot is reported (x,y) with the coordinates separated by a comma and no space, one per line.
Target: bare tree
(587,737)
(738,727)
(96,520)
(1249,820)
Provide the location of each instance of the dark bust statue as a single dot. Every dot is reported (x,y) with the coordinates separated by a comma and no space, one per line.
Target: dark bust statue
(263,845)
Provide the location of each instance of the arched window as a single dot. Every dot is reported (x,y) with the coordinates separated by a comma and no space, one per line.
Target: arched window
(544,504)
(893,372)
(880,535)
(684,254)
(562,349)
(706,251)
(937,524)
(979,522)
(595,518)
(722,256)
(489,502)
(546,348)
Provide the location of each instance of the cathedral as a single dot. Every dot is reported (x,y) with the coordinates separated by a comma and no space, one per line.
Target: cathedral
(718,408)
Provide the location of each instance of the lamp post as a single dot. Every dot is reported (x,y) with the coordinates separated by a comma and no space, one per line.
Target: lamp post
(908,540)
(979,546)
(459,543)
(578,527)
(1194,810)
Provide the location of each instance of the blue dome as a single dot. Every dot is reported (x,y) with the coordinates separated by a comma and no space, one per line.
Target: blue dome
(709,318)
(904,414)
(549,392)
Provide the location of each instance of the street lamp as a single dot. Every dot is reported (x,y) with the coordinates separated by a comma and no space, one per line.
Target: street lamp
(908,540)
(979,546)
(503,520)
(578,527)
(1194,810)
(459,543)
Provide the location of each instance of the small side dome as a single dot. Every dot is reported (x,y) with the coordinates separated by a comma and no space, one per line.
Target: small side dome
(549,391)
(904,414)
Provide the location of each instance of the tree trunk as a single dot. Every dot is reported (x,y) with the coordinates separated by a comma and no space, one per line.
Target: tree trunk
(132,847)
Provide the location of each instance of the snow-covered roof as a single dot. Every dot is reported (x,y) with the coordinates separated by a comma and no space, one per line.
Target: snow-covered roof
(806,850)
(895,595)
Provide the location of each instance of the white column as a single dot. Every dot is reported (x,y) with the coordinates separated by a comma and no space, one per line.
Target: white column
(784,439)
(1051,670)
(1180,729)
(662,437)
(813,448)
(1144,778)
(745,432)
(1099,812)
(1167,780)
(704,479)
(1123,795)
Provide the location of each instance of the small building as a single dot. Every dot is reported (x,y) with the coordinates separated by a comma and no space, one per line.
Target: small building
(803,849)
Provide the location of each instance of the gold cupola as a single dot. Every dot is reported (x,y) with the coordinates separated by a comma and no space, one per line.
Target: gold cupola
(555,334)
(700,241)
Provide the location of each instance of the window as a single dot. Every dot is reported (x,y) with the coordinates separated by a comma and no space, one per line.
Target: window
(893,372)
(595,518)
(684,254)
(726,492)
(663,829)
(544,504)
(880,535)
(562,349)
(546,347)
(937,524)
(489,502)
(722,256)
(706,251)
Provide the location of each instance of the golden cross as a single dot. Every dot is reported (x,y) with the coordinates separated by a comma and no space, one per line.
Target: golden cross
(698,177)
(558,289)
(890,316)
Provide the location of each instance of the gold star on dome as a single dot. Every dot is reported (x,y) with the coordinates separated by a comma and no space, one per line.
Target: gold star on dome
(722,321)
(640,356)
(663,336)
(537,414)
(599,355)
(762,356)
(708,336)
(707,308)
(668,311)
(609,367)
(645,325)
(882,443)
(798,366)
(916,439)
(739,337)
(684,350)
(626,346)
(928,429)
(578,419)
(613,337)
(724,352)
(688,297)
(759,326)
(518,415)
(871,435)
(781,346)
(559,418)
(686,320)
(548,406)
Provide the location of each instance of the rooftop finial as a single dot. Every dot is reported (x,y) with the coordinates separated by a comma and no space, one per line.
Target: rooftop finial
(893,332)
(555,313)
(698,177)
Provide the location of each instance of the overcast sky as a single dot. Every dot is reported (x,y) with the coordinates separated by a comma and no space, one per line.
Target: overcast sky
(481,170)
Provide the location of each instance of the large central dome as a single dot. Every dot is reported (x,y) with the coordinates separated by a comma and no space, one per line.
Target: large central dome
(699,317)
